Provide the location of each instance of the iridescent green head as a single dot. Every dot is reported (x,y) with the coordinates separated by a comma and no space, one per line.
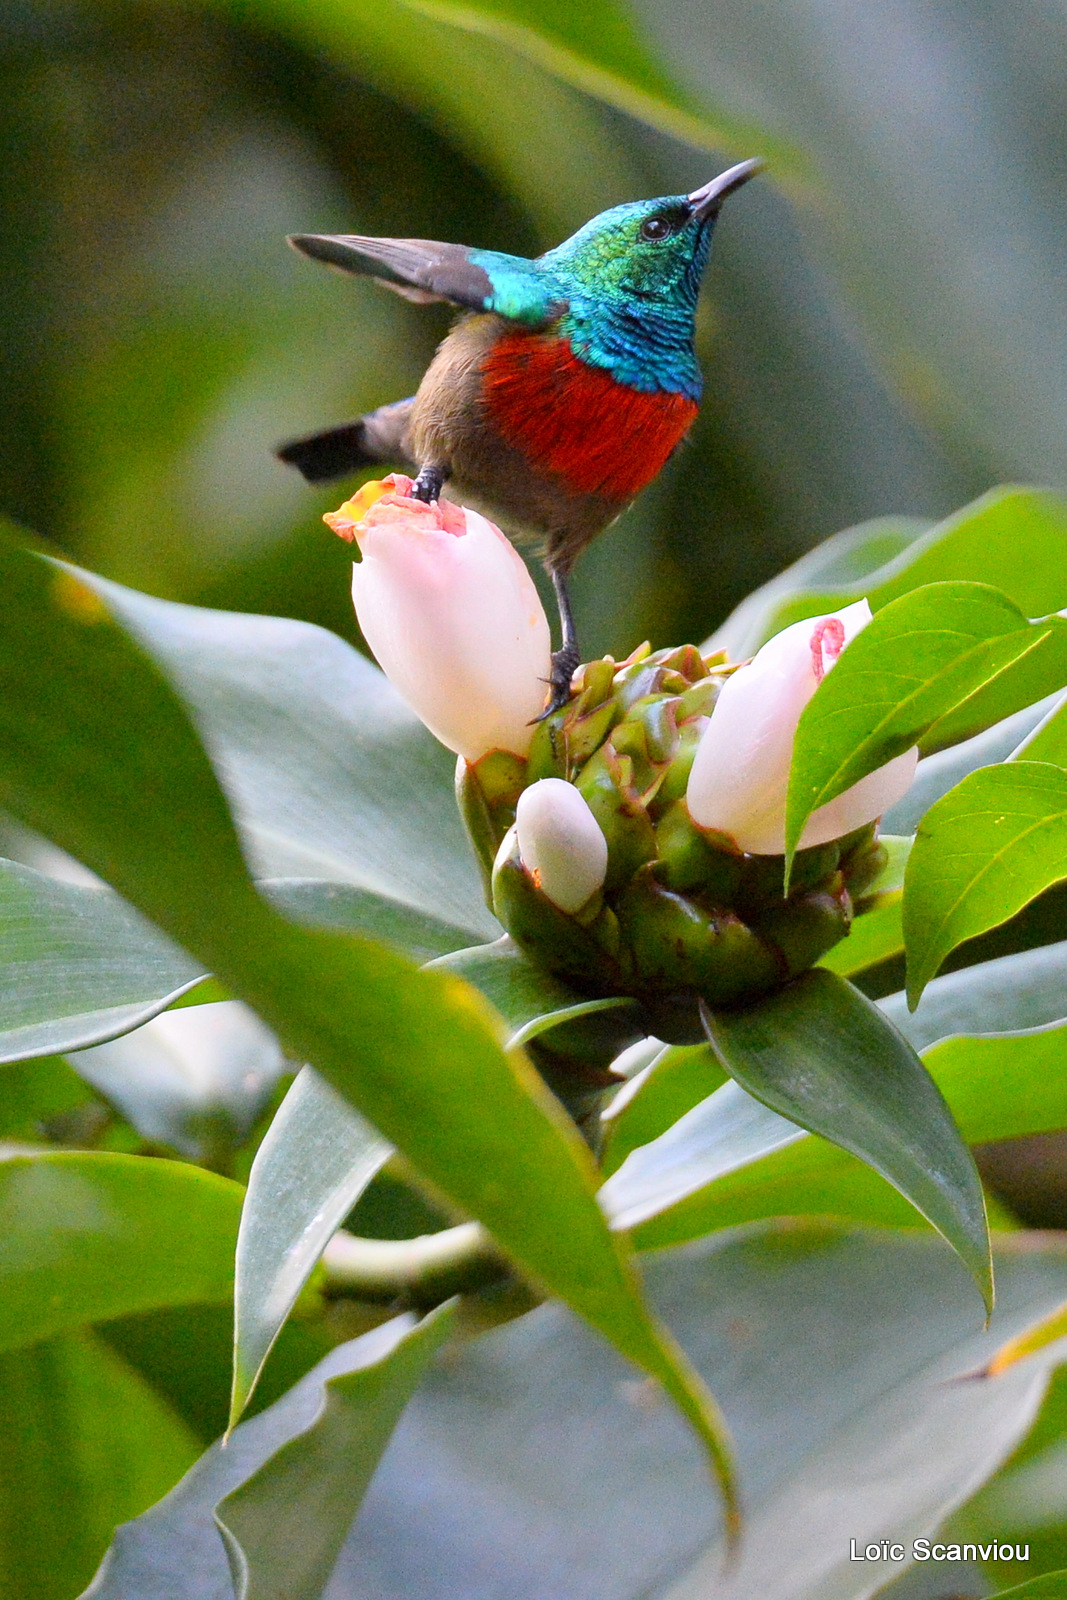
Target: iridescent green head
(650,250)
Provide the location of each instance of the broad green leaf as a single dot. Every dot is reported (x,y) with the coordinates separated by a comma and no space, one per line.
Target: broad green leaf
(524,1464)
(598,49)
(87,1235)
(699,1178)
(1048,741)
(920,658)
(82,967)
(316,1158)
(1020,991)
(284,1526)
(839,565)
(532,1001)
(78,966)
(822,1055)
(1014,539)
(182,1527)
(197,1079)
(84,1443)
(328,772)
(33,1091)
(316,903)
(983,852)
(939,773)
(102,758)
(726,1131)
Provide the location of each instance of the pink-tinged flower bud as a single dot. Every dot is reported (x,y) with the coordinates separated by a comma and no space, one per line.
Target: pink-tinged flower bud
(451,613)
(560,843)
(740,774)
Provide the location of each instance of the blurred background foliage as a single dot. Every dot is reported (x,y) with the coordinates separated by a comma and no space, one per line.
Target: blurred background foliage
(881,328)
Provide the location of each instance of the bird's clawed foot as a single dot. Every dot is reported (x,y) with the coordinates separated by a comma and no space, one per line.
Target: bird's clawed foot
(564,664)
(427,486)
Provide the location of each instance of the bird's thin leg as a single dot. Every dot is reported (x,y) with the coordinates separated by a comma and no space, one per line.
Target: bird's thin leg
(567,657)
(427,486)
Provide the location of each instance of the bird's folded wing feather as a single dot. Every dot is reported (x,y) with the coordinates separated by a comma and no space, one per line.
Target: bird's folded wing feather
(425,270)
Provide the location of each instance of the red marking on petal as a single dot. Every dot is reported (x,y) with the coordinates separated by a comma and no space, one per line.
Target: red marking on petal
(827,639)
(567,417)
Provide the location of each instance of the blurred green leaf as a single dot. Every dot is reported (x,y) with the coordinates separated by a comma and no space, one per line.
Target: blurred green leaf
(1048,741)
(598,49)
(88,1235)
(315,903)
(196,1079)
(984,851)
(678,1078)
(33,1091)
(873,937)
(1051,1586)
(822,1055)
(939,773)
(329,774)
(284,1526)
(1013,539)
(84,1443)
(704,1176)
(920,658)
(835,1354)
(79,966)
(727,1131)
(316,1158)
(102,758)
(1014,992)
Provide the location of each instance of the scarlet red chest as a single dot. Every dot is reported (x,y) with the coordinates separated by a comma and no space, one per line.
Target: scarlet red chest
(575,420)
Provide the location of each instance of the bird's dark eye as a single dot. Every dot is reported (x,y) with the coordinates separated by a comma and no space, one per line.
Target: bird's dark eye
(656,228)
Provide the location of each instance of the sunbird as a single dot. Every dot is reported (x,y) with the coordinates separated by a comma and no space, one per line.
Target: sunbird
(563,391)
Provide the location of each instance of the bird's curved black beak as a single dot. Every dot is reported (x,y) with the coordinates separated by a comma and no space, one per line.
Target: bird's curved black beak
(706,201)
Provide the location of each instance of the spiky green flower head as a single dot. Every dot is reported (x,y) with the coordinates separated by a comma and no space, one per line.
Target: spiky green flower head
(681,915)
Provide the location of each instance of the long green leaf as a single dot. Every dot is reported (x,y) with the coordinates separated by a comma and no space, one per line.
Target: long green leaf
(1050,1586)
(315,1160)
(822,1055)
(78,966)
(328,772)
(919,659)
(101,756)
(284,1526)
(983,852)
(597,48)
(698,1177)
(84,1443)
(1014,539)
(1048,741)
(525,1464)
(196,1079)
(87,1235)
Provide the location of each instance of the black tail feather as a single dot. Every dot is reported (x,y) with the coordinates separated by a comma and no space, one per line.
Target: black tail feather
(335,453)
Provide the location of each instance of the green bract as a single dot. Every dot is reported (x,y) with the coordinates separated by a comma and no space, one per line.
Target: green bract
(682,915)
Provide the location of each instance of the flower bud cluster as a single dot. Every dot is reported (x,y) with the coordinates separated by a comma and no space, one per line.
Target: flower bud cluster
(619,890)
(631,841)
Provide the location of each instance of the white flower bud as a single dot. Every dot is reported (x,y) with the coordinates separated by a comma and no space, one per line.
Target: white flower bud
(451,613)
(740,776)
(560,843)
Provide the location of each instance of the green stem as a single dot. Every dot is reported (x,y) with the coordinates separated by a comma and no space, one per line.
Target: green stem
(417,1272)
